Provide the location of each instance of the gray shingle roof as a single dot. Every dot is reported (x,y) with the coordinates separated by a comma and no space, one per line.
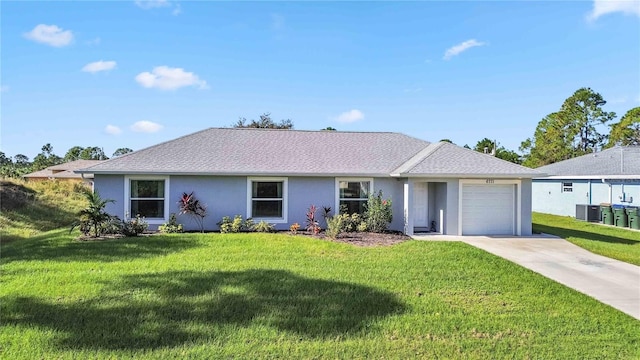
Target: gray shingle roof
(448,160)
(231,151)
(618,161)
(63,171)
(270,152)
(74,165)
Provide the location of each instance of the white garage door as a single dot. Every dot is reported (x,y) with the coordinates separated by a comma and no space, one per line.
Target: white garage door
(488,209)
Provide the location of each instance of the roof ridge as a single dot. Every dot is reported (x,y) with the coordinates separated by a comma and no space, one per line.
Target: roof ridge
(307,130)
(418,158)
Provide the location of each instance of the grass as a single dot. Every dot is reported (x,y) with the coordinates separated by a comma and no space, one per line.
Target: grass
(33,208)
(614,242)
(280,296)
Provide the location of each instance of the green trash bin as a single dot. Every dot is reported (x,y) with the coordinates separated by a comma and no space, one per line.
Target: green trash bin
(620,216)
(633,213)
(606,214)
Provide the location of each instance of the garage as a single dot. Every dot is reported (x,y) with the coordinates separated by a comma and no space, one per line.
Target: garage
(489,209)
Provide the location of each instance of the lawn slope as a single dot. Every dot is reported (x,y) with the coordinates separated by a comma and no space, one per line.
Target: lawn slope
(31,208)
(616,243)
(279,296)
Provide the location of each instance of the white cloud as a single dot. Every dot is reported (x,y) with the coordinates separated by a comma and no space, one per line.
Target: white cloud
(350,116)
(151,4)
(463,46)
(167,78)
(97,66)
(112,130)
(146,126)
(177,10)
(50,35)
(603,7)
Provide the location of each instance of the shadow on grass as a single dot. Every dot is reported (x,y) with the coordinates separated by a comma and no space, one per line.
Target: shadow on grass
(564,233)
(39,217)
(172,308)
(60,246)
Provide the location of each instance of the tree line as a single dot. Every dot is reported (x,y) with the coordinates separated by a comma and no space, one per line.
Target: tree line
(20,164)
(575,129)
(579,128)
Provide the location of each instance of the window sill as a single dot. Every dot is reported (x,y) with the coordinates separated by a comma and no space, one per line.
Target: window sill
(270,220)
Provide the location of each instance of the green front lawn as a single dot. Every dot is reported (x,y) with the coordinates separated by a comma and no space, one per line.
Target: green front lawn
(279,296)
(616,243)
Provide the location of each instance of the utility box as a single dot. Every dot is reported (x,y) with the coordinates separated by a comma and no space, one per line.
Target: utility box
(589,213)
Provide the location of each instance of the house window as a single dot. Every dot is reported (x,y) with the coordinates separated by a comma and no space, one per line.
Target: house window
(353,195)
(567,187)
(147,198)
(267,199)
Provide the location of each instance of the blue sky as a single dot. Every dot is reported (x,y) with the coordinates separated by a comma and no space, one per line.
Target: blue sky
(133,74)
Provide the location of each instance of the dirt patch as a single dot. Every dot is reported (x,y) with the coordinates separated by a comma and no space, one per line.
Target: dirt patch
(14,196)
(364,238)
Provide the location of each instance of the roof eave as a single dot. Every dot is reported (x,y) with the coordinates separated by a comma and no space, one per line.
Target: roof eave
(257,173)
(469,176)
(587,177)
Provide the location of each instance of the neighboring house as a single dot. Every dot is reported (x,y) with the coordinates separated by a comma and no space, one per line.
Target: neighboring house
(275,175)
(610,176)
(64,172)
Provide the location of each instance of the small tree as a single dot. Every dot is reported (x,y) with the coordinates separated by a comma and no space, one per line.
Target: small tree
(191,206)
(93,217)
(378,214)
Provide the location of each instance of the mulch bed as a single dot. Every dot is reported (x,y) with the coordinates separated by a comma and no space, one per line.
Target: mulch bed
(364,238)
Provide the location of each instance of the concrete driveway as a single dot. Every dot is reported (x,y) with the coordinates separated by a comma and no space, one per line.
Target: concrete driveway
(612,282)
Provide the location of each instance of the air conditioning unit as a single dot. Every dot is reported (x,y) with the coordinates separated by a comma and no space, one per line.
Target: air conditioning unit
(589,213)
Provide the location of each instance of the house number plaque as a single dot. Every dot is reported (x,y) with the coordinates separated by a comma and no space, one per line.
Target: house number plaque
(490,181)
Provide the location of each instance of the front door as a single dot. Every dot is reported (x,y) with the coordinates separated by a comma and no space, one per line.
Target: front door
(420,205)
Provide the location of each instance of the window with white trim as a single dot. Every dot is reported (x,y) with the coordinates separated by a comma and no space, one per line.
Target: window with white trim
(353,195)
(567,187)
(267,199)
(147,198)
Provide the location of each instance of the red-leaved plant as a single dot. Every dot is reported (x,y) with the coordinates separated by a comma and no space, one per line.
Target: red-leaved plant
(313,225)
(191,206)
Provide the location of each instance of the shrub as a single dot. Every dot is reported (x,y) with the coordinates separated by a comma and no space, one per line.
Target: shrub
(172,226)
(134,226)
(294,228)
(313,225)
(351,222)
(335,226)
(263,226)
(112,226)
(191,206)
(354,222)
(378,214)
(236,225)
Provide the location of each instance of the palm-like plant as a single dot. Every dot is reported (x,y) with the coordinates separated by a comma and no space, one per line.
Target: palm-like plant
(93,217)
(191,206)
